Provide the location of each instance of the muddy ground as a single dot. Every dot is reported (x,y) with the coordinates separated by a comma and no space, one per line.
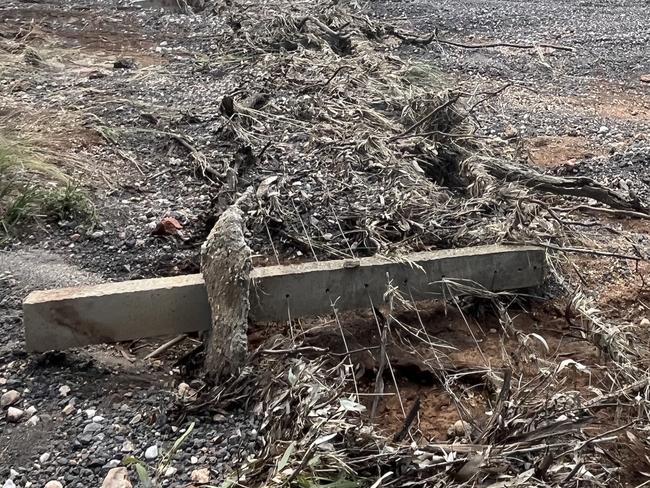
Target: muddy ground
(583,112)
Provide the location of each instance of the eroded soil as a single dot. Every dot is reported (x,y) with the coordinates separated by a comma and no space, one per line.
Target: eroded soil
(584,112)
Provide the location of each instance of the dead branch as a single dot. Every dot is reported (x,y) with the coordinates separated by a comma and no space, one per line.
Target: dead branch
(609,211)
(426,118)
(410,38)
(577,187)
(593,252)
(410,417)
(165,346)
(226,265)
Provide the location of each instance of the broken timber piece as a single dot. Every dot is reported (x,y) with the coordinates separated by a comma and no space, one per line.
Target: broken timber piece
(112,312)
(226,265)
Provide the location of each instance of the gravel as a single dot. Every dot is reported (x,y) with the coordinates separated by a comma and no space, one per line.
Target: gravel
(595,92)
(97,406)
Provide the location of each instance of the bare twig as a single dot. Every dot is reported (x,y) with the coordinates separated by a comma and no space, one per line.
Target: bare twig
(158,351)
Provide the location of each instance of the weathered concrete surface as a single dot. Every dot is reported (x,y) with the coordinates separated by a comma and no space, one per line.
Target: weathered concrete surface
(71,317)
(308,289)
(112,312)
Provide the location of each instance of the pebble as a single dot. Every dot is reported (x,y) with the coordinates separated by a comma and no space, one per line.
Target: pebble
(14,414)
(194,460)
(68,409)
(64,390)
(603,129)
(645,323)
(460,428)
(92,427)
(151,452)
(90,413)
(9,398)
(31,411)
(9,484)
(113,463)
(186,392)
(53,484)
(32,420)
(200,475)
(85,439)
(98,418)
(43,458)
(171,471)
(117,478)
(128,446)
(98,234)
(137,418)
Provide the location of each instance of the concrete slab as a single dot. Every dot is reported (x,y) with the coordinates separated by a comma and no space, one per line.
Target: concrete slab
(113,312)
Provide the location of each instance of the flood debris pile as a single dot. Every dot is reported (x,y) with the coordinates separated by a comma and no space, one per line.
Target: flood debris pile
(349,151)
(543,419)
(345,150)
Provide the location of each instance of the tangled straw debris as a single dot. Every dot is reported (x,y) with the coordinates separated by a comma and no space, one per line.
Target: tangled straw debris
(350,151)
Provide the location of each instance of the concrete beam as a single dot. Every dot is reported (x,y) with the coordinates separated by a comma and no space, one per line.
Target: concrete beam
(113,312)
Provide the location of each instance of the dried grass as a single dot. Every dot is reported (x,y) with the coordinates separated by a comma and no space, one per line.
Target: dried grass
(354,151)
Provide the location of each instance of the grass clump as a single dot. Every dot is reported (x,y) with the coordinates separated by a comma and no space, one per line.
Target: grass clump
(24,194)
(69,202)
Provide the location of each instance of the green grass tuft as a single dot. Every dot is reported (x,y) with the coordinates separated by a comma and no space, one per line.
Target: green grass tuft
(23,195)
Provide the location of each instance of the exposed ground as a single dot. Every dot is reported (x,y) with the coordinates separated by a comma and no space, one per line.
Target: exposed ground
(116,131)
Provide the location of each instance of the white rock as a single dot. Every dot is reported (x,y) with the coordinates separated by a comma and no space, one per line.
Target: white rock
(45,457)
(603,129)
(31,411)
(9,398)
(90,413)
(9,484)
(92,427)
(53,484)
(128,446)
(137,418)
(459,429)
(14,414)
(194,460)
(64,390)
(117,478)
(171,471)
(200,475)
(113,463)
(186,392)
(644,323)
(151,452)
(3,380)
(32,421)
(13,473)
(98,418)
(28,484)
(68,409)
